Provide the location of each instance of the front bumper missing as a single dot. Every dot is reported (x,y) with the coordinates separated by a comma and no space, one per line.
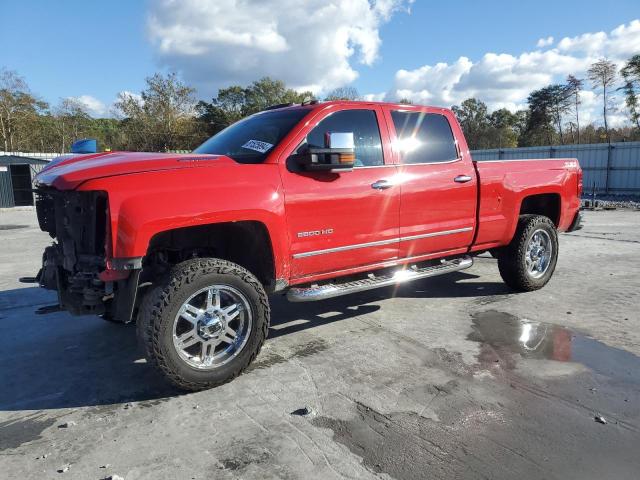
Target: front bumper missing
(86,294)
(76,264)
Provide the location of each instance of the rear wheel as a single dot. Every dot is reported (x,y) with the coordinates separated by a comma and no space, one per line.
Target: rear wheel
(205,323)
(529,261)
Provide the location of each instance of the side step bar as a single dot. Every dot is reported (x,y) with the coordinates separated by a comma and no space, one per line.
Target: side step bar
(321,292)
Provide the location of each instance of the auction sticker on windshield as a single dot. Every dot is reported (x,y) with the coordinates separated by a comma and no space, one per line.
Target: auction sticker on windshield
(258,146)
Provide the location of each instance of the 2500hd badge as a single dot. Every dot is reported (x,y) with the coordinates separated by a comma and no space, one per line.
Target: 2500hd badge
(315,233)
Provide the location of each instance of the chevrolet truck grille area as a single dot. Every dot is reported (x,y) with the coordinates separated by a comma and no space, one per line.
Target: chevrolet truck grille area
(77,222)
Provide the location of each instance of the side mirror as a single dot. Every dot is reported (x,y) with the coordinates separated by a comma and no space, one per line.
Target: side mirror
(86,145)
(338,156)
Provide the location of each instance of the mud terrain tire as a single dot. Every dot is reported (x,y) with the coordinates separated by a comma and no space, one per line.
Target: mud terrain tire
(513,260)
(160,306)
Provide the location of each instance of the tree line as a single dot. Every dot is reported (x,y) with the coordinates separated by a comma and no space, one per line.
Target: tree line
(166,115)
(552,116)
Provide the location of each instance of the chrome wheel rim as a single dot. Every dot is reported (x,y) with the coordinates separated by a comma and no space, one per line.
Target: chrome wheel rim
(539,252)
(212,327)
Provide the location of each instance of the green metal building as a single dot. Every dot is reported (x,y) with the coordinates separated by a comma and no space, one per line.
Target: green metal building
(17,171)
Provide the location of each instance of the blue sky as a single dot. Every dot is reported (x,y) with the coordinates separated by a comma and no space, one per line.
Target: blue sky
(70,48)
(97,49)
(442,31)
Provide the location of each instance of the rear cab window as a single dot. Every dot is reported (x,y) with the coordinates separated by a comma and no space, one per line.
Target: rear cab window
(423,137)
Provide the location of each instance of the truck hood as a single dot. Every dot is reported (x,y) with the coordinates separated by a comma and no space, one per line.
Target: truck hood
(69,171)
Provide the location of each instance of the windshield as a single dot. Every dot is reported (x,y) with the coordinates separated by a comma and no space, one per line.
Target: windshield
(250,140)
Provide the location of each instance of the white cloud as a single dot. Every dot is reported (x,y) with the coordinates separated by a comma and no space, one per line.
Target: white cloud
(92,105)
(98,109)
(374,97)
(504,80)
(311,44)
(127,94)
(430,84)
(545,42)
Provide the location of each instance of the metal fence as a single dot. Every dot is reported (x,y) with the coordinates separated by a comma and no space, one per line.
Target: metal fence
(611,168)
(37,155)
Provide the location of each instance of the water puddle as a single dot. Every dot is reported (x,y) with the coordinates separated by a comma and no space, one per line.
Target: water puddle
(401,444)
(23,430)
(506,340)
(580,396)
(270,358)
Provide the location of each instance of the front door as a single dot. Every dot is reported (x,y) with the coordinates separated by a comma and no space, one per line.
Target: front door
(21,181)
(341,221)
(438,185)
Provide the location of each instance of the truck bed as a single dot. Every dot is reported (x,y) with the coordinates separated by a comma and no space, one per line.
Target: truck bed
(505,184)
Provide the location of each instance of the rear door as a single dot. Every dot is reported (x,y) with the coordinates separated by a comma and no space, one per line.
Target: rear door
(343,221)
(438,183)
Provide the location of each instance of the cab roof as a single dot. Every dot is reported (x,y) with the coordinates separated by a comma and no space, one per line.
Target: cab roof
(320,104)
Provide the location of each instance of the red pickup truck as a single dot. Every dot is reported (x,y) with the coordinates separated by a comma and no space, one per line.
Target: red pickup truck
(312,201)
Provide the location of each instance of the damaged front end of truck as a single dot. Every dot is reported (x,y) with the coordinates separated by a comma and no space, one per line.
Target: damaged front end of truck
(75,265)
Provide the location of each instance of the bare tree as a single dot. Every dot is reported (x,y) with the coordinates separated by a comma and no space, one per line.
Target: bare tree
(603,75)
(574,86)
(71,121)
(572,131)
(343,93)
(18,107)
(560,104)
(161,117)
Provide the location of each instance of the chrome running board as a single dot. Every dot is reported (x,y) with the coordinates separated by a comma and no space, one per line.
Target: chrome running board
(329,290)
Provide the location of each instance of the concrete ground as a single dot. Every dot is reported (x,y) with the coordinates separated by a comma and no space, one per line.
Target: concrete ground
(451,377)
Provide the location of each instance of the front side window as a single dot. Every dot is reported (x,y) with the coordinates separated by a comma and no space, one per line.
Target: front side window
(251,139)
(366,134)
(424,137)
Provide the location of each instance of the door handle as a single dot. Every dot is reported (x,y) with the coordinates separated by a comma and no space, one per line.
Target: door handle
(382,185)
(462,179)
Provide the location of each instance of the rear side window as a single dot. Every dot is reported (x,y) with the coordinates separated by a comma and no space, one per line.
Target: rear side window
(424,137)
(366,134)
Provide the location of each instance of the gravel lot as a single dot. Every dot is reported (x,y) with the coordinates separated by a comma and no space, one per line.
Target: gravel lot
(451,377)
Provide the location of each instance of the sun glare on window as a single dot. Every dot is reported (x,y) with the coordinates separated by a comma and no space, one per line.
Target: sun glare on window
(408,144)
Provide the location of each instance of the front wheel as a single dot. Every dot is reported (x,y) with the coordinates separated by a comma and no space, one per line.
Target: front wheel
(205,323)
(529,261)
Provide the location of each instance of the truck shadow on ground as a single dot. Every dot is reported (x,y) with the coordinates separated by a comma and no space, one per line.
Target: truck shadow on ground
(59,361)
(311,314)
